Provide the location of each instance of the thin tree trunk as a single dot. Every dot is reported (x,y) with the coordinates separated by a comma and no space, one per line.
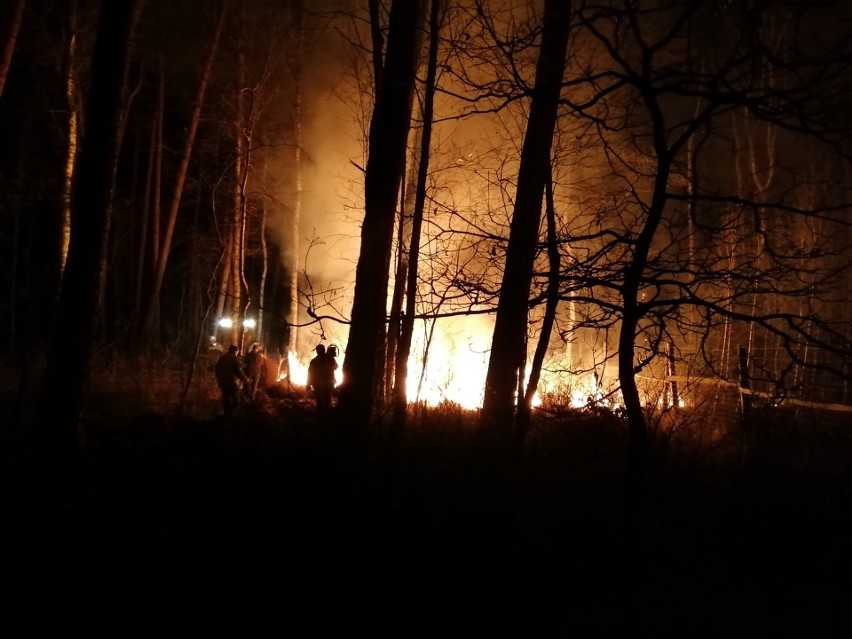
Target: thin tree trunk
(261,295)
(73,121)
(525,407)
(403,349)
(130,96)
(378,44)
(631,314)
(235,286)
(156,211)
(145,215)
(510,327)
(406,206)
(223,281)
(238,203)
(157,196)
(11,41)
(211,296)
(296,220)
(174,205)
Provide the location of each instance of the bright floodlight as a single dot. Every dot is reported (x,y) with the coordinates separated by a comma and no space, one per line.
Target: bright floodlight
(249,322)
(226,322)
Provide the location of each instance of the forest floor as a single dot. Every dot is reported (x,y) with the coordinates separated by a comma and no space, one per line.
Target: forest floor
(269,525)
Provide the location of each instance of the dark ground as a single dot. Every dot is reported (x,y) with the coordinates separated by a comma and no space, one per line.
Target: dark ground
(268,526)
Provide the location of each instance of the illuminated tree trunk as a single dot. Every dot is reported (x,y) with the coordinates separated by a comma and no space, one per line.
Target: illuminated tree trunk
(388,137)
(395,314)
(174,204)
(73,121)
(403,348)
(403,243)
(235,285)
(69,357)
(241,151)
(11,40)
(756,144)
(264,251)
(293,308)
(296,219)
(510,328)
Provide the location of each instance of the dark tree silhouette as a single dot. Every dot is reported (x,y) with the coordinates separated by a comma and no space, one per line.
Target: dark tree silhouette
(389,128)
(11,38)
(510,329)
(400,396)
(70,353)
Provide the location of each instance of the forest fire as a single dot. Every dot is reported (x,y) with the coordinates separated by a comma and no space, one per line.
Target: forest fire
(298,372)
(449,377)
(657,225)
(604,248)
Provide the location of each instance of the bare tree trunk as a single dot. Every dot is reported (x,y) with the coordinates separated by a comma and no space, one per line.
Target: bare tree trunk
(293,309)
(403,348)
(631,314)
(224,278)
(406,207)
(525,406)
(202,331)
(69,359)
(73,121)
(157,195)
(238,203)
(174,205)
(378,44)
(298,194)
(145,224)
(235,287)
(11,40)
(130,96)
(153,214)
(261,295)
(388,137)
(510,328)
